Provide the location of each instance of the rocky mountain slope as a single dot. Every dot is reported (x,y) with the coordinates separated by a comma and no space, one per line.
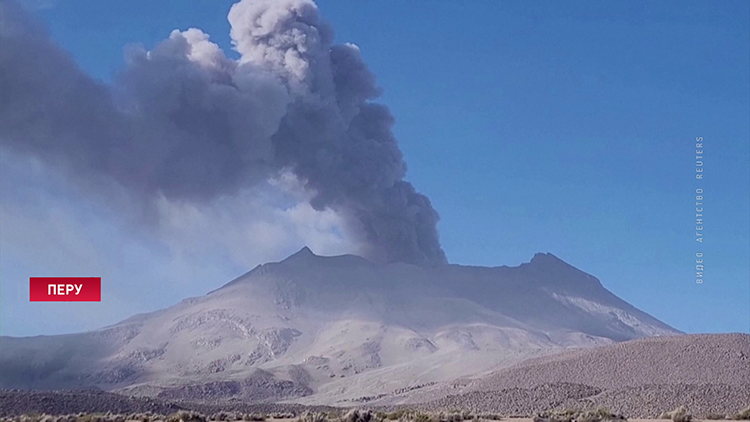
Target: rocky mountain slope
(334,329)
(707,373)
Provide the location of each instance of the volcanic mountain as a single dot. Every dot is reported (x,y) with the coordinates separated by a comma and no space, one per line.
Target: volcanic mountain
(335,329)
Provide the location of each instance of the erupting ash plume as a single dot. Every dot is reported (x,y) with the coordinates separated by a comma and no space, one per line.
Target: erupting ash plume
(186,123)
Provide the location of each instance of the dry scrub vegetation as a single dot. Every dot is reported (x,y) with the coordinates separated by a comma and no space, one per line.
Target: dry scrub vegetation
(680,414)
(333,416)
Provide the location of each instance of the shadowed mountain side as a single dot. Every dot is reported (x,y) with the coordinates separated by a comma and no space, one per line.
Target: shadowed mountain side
(335,328)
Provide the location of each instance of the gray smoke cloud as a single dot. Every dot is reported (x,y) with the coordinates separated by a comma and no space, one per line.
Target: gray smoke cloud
(186,123)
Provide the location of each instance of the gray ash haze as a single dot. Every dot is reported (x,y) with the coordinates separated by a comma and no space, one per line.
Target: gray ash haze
(185,123)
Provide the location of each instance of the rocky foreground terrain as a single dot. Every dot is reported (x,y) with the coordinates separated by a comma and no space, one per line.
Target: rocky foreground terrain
(707,374)
(557,399)
(70,402)
(647,401)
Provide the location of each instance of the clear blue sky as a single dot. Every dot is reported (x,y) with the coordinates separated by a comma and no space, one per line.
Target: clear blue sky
(562,127)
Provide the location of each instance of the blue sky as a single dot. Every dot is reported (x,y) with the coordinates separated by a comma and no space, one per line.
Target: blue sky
(562,127)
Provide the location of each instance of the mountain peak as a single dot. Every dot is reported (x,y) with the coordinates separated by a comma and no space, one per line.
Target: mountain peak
(554,270)
(304,253)
(542,258)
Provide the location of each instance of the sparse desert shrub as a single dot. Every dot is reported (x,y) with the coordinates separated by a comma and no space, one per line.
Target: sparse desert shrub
(361,416)
(282,415)
(174,417)
(313,417)
(454,417)
(186,416)
(588,417)
(93,417)
(680,415)
(422,417)
(714,416)
(743,414)
(220,416)
(566,415)
(254,417)
(600,414)
(143,417)
(335,415)
(400,414)
(33,417)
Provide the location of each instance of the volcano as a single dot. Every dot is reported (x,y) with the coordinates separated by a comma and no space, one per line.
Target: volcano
(332,329)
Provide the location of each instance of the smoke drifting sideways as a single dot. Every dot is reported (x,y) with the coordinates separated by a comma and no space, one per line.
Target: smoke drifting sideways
(186,123)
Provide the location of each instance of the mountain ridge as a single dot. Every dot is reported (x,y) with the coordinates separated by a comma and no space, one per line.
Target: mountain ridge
(335,328)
